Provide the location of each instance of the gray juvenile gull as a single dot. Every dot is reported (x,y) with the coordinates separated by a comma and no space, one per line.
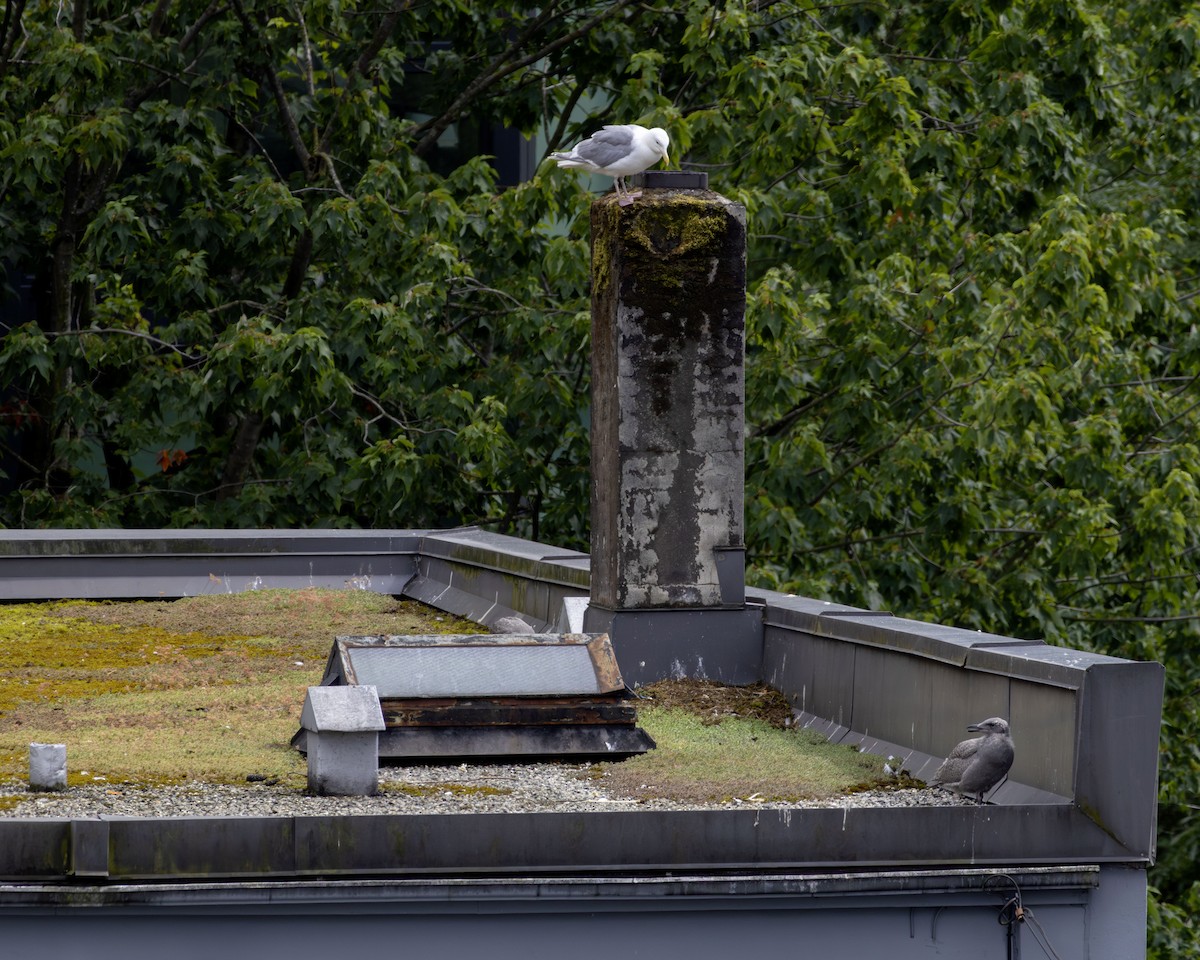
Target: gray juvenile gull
(975,766)
(618,151)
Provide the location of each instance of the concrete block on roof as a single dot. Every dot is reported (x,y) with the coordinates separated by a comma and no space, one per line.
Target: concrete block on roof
(342,724)
(47,766)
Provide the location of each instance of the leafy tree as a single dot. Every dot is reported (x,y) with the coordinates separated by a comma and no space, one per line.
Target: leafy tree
(253,300)
(253,281)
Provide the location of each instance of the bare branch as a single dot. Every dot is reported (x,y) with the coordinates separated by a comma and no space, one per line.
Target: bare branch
(309,72)
(850,543)
(798,412)
(1166,423)
(564,118)
(387,24)
(1180,618)
(1120,581)
(193,31)
(328,161)
(499,68)
(117,331)
(250,134)
(79,20)
(433,128)
(260,307)
(286,117)
(10,26)
(157,17)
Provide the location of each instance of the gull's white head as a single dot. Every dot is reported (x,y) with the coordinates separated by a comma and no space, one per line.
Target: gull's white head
(661,142)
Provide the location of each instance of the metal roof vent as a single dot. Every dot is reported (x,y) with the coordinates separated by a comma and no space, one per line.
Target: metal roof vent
(462,697)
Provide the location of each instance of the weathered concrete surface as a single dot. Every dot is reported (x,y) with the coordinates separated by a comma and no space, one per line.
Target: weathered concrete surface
(343,709)
(668,343)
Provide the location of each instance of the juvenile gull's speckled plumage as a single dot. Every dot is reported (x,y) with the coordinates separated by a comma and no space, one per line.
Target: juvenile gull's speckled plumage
(974,766)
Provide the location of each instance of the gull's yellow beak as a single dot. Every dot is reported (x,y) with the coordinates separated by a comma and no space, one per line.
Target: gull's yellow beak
(666,159)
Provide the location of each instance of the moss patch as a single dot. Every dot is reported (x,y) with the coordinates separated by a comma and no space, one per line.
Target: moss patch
(737,759)
(713,702)
(718,743)
(164,692)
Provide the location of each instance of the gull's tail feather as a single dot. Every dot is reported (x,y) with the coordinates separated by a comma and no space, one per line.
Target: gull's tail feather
(570,162)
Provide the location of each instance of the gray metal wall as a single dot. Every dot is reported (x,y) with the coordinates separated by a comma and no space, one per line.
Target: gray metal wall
(1086,726)
(1082,914)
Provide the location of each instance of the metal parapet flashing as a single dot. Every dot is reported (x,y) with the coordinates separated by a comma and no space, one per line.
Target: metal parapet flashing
(485,576)
(547,844)
(168,564)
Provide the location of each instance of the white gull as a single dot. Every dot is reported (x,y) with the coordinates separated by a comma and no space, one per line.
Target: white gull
(618,151)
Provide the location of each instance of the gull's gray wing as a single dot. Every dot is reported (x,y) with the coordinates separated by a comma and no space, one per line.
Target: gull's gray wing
(965,749)
(607,146)
(950,771)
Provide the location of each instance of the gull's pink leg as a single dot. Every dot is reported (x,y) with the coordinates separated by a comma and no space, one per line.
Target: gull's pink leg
(626,197)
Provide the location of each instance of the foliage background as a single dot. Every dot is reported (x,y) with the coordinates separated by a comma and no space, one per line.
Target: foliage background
(250,282)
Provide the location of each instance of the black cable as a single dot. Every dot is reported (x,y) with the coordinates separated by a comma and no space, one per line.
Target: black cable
(1013,913)
(1039,935)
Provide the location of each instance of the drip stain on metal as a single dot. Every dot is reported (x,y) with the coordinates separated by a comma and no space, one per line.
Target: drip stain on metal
(479,697)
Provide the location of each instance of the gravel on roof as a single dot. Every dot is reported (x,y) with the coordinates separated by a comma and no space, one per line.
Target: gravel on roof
(464,788)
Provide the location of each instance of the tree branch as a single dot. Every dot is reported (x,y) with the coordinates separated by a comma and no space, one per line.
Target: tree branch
(240,456)
(117,331)
(1142,443)
(564,118)
(1100,619)
(1120,581)
(432,129)
(10,26)
(79,20)
(193,31)
(383,31)
(784,423)
(158,16)
(835,479)
(485,79)
(851,542)
(285,112)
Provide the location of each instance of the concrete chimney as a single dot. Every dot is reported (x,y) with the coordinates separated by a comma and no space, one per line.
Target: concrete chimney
(668,427)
